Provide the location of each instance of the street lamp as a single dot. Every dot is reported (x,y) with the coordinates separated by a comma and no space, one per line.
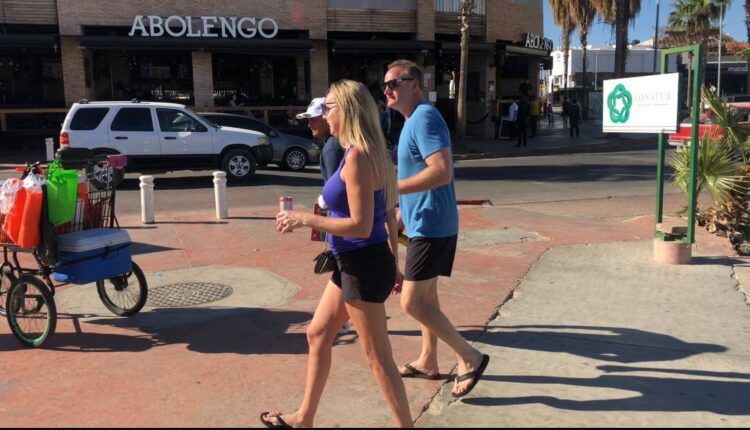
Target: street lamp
(718,78)
(656,34)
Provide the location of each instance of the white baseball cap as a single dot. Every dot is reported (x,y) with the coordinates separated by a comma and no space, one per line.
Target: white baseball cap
(314,110)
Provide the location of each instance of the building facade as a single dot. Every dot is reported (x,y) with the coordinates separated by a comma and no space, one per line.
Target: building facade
(259,53)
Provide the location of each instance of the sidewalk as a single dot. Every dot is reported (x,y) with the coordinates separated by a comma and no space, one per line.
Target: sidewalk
(583,328)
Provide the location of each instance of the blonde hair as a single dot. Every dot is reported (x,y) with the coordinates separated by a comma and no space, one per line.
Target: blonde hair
(359,126)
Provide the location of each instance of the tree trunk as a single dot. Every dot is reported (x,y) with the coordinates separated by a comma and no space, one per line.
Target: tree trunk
(585,101)
(566,55)
(621,37)
(461,109)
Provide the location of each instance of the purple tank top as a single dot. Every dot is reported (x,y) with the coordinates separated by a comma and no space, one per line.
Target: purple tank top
(334,194)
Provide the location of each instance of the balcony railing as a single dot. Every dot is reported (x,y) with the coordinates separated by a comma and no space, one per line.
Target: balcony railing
(480,6)
(373,4)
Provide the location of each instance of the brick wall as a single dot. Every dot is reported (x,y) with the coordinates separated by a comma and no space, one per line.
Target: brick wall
(203,80)
(507,20)
(290,14)
(426,20)
(319,69)
(74,76)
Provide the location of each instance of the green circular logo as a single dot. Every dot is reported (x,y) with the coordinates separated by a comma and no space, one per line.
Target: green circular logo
(619,93)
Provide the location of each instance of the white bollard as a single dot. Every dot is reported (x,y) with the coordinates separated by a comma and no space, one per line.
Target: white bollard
(220,195)
(50,144)
(147,199)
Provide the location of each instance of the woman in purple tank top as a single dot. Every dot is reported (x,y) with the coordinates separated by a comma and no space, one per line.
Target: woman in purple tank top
(362,230)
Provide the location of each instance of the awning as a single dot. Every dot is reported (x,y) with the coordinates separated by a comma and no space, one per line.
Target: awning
(346,46)
(473,47)
(520,50)
(264,46)
(30,40)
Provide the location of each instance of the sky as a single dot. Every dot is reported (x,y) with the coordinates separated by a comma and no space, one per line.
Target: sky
(643,27)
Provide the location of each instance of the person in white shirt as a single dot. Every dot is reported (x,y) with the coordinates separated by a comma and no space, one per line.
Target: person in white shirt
(512,116)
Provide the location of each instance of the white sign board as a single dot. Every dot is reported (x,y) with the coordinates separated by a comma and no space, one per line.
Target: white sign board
(647,104)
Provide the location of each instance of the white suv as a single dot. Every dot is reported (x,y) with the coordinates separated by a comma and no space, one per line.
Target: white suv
(163,137)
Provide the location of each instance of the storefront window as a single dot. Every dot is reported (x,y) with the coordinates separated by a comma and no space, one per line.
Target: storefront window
(251,80)
(157,75)
(31,79)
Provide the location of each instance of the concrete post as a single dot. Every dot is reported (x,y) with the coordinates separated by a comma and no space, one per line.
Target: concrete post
(49,143)
(147,199)
(220,195)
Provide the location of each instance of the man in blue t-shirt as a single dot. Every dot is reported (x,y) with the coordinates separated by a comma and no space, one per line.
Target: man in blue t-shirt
(430,215)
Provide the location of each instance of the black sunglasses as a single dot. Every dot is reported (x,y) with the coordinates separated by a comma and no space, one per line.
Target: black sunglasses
(325,108)
(393,83)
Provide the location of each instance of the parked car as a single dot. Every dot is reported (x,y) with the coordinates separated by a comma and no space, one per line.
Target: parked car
(707,124)
(290,152)
(163,137)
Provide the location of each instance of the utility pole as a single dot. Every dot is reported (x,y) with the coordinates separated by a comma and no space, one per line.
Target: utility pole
(656,35)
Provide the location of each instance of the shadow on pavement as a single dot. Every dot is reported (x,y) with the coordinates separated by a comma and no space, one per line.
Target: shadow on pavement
(146,248)
(613,344)
(222,330)
(206,182)
(570,173)
(654,394)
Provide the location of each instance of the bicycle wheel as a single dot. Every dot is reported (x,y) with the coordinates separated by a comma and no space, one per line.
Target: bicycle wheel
(6,280)
(124,295)
(31,311)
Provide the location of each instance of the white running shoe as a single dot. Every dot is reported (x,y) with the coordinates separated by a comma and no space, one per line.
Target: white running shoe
(345,328)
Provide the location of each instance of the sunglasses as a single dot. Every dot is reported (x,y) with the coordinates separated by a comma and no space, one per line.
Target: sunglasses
(327,108)
(393,83)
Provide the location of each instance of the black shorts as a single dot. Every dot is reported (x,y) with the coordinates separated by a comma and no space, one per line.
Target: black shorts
(366,274)
(428,258)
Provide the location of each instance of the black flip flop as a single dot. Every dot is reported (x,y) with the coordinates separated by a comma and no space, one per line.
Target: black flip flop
(474,375)
(416,373)
(281,423)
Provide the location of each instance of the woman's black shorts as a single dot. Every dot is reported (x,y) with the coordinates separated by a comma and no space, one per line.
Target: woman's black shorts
(366,274)
(428,257)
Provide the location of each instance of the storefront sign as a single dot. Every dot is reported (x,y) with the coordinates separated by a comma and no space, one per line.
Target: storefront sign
(737,69)
(537,42)
(204,26)
(647,104)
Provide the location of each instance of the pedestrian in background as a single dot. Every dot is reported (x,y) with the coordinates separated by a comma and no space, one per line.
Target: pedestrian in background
(430,215)
(534,114)
(522,121)
(574,114)
(550,118)
(331,152)
(564,114)
(512,117)
(363,237)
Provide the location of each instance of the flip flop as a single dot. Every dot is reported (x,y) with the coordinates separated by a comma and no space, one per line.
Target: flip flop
(416,373)
(474,375)
(281,424)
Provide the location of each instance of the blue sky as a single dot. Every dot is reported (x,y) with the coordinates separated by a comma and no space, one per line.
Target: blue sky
(643,28)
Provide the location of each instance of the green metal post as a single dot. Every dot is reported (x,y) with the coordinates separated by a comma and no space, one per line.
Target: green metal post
(698,60)
(660,165)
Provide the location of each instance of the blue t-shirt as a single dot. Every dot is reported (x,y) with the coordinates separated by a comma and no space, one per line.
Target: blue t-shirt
(432,213)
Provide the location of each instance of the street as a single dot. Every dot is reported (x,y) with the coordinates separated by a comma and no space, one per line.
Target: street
(503,181)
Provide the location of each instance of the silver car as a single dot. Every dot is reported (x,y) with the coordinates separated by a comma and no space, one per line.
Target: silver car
(289,151)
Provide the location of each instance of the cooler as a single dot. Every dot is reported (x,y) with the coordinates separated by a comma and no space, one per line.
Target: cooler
(91,255)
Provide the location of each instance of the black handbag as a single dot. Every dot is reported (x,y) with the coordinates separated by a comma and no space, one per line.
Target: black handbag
(324,262)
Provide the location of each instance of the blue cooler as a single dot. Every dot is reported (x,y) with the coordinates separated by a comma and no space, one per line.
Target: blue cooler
(91,255)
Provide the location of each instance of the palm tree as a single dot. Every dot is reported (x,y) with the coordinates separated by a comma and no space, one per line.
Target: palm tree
(619,13)
(694,17)
(561,13)
(466,7)
(583,13)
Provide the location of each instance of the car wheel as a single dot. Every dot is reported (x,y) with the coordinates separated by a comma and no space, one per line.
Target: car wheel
(239,164)
(101,175)
(295,159)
